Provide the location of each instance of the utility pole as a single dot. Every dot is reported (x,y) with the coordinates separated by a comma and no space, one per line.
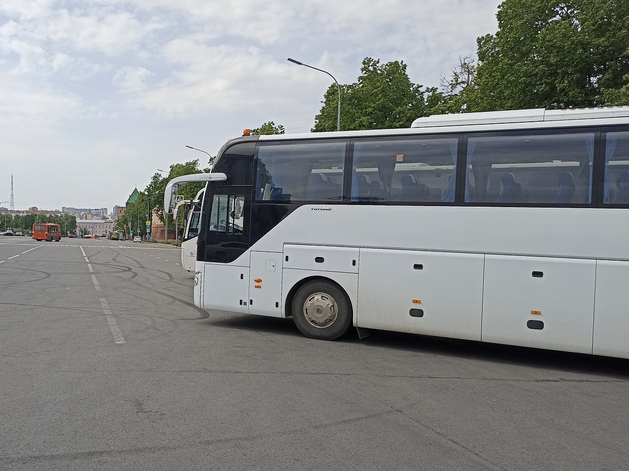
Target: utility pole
(12,203)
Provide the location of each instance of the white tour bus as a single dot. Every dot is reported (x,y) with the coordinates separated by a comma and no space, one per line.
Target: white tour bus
(191,210)
(505,227)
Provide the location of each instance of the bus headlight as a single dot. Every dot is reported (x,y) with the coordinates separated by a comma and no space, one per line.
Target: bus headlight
(197,277)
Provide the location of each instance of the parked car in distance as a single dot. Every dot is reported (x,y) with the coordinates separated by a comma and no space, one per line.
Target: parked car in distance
(137,239)
(18,233)
(7,233)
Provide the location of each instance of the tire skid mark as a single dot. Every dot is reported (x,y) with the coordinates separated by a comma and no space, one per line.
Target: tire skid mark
(151,271)
(21,269)
(151,293)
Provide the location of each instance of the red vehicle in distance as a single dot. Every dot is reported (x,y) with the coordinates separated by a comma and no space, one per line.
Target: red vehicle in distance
(46,231)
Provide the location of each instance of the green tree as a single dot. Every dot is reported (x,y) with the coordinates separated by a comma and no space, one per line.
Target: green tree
(155,193)
(268,128)
(69,224)
(452,95)
(155,189)
(553,54)
(6,221)
(383,97)
(28,221)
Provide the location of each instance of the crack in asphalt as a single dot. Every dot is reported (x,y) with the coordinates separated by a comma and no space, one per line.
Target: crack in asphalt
(338,374)
(183,446)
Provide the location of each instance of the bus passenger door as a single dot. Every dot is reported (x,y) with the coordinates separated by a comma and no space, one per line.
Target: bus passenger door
(221,246)
(227,225)
(189,240)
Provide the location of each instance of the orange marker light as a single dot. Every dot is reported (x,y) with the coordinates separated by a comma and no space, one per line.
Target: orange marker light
(257,286)
(417,301)
(246,132)
(258,280)
(536,313)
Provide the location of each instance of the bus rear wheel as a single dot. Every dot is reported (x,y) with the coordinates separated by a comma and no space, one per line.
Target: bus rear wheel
(321,310)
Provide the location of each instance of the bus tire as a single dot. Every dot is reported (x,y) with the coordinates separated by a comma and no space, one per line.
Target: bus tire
(321,310)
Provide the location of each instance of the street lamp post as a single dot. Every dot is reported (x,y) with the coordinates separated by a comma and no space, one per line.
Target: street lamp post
(200,150)
(338,112)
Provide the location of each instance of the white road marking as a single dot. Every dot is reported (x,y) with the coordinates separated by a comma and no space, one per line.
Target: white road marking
(89,267)
(111,320)
(10,258)
(2,261)
(82,251)
(96,285)
(29,250)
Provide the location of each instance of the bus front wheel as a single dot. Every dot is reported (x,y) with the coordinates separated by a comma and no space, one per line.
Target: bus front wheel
(321,310)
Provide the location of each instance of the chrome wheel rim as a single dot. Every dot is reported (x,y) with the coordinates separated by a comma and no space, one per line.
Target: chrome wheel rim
(320,310)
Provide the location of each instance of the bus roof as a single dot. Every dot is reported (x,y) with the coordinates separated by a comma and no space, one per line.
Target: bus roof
(485,121)
(520,116)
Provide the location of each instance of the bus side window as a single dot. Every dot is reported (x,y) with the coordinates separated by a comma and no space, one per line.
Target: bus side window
(236,215)
(530,169)
(415,170)
(218,216)
(227,214)
(311,171)
(617,168)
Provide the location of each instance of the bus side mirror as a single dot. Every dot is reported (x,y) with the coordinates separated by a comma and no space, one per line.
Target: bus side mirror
(170,197)
(170,193)
(238,207)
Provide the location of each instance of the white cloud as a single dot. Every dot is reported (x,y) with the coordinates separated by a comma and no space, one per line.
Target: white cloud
(26,10)
(27,110)
(132,79)
(111,34)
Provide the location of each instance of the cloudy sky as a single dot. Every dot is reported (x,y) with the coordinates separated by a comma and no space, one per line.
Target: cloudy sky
(95,96)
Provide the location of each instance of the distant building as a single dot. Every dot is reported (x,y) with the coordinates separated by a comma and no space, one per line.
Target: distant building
(99,213)
(133,197)
(158,229)
(31,210)
(121,209)
(95,226)
(49,212)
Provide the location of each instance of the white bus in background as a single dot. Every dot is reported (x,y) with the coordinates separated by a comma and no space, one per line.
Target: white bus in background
(503,227)
(191,211)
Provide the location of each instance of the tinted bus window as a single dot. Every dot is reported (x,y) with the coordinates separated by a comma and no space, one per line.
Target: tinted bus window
(617,168)
(530,169)
(227,214)
(405,170)
(301,171)
(193,228)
